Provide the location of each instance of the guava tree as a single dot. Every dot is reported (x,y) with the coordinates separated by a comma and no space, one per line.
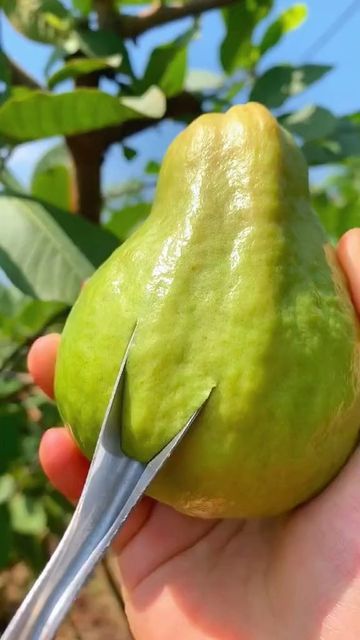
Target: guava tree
(57,230)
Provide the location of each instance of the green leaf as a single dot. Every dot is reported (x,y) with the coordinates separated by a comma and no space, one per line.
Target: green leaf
(123,223)
(354,117)
(198,80)
(30,550)
(237,49)
(99,43)
(8,350)
(10,298)
(318,152)
(337,201)
(343,143)
(12,421)
(27,515)
(7,488)
(84,6)
(129,153)
(335,221)
(9,181)
(40,115)
(80,66)
(166,68)
(310,123)
(52,179)
(7,388)
(35,19)
(281,82)
(30,446)
(151,104)
(167,64)
(347,135)
(95,243)
(21,318)
(290,19)
(152,167)
(6,537)
(36,254)
(104,44)
(50,416)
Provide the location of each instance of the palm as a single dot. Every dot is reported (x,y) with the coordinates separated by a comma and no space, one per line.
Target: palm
(233,580)
(290,578)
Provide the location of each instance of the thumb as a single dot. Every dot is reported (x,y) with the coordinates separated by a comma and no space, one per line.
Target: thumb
(349,256)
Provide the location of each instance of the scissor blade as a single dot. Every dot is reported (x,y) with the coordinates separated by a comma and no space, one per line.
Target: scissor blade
(114,485)
(109,483)
(135,478)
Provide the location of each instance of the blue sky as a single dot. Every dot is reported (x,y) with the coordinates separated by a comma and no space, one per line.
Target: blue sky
(338,91)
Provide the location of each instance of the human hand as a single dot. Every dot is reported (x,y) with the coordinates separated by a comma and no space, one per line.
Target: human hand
(291,578)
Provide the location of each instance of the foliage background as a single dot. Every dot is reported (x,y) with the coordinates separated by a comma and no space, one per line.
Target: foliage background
(93,98)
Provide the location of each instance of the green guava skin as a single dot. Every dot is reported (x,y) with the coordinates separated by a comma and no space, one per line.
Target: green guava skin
(234,289)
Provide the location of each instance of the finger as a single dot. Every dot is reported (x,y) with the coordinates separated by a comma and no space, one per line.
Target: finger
(336,510)
(41,361)
(67,468)
(63,463)
(349,256)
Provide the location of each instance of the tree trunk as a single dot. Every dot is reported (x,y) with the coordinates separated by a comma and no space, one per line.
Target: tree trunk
(88,159)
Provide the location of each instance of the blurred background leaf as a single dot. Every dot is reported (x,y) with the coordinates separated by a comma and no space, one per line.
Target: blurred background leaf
(53,179)
(122,223)
(337,200)
(282,82)
(290,19)
(39,258)
(72,113)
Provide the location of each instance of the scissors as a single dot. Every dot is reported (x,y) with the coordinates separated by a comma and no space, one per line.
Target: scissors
(114,485)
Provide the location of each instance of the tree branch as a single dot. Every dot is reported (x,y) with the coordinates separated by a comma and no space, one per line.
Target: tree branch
(133,26)
(87,151)
(108,16)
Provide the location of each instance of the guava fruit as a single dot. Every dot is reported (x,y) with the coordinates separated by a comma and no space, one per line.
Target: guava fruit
(235,289)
